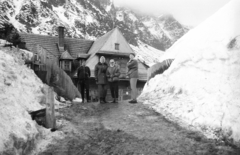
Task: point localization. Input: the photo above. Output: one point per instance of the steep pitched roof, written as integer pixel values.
(110, 45)
(74, 46)
(66, 55)
(98, 44)
(105, 45)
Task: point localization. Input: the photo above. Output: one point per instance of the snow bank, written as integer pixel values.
(20, 92)
(202, 87)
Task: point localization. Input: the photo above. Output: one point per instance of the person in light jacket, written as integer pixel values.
(133, 75)
(101, 79)
(113, 74)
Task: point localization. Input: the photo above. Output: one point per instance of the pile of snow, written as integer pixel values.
(201, 89)
(3, 42)
(147, 54)
(62, 103)
(21, 91)
(77, 100)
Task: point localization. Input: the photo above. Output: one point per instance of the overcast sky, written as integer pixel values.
(188, 12)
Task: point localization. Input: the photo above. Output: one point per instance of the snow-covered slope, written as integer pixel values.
(202, 86)
(20, 92)
(147, 54)
(90, 19)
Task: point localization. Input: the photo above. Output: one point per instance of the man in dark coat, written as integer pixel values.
(83, 75)
(101, 79)
(113, 74)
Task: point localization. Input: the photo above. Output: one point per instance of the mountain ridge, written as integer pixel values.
(90, 19)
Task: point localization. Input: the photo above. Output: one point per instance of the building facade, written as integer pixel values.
(68, 52)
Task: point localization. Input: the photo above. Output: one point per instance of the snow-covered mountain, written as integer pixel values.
(201, 88)
(90, 19)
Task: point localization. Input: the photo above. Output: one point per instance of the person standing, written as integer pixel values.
(132, 73)
(83, 75)
(113, 74)
(101, 79)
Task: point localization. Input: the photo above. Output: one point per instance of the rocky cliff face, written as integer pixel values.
(90, 19)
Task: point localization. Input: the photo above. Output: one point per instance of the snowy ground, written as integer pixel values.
(201, 89)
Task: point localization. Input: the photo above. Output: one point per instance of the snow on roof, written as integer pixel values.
(147, 54)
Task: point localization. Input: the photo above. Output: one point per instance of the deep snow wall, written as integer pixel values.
(201, 89)
(21, 91)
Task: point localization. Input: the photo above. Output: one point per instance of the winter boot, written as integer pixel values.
(134, 101)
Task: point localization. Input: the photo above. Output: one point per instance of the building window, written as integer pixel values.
(67, 65)
(116, 46)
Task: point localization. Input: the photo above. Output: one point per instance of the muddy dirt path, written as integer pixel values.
(125, 129)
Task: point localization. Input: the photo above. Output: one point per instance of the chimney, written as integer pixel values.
(61, 36)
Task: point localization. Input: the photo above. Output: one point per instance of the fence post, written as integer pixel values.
(50, 114)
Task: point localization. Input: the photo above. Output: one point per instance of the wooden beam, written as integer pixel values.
(50, 111)
(122, 54)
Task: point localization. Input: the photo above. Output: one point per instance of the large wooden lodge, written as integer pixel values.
(69, 52)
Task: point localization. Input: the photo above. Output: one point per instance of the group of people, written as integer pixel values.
(108, 74)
